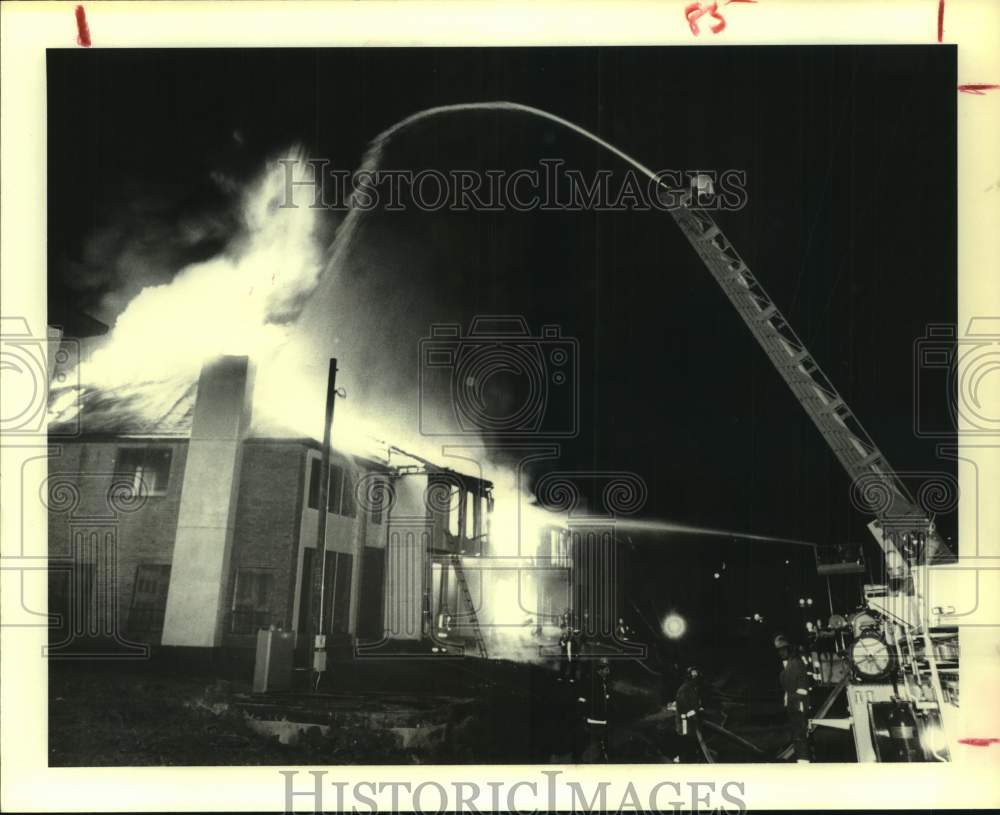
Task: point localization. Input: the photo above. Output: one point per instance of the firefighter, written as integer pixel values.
(595, 701)
(569, 648)
(795, 683)
(688, 713)
(624, 631)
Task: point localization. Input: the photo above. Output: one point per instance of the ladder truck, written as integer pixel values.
(903, 684)
(901, 659)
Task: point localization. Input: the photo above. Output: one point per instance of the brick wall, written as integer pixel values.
(81, 474)
(268, 511)
(273, 522)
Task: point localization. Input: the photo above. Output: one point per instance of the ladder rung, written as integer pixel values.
(834, 406)
(456, 561)
(870, 459)
(767, 313)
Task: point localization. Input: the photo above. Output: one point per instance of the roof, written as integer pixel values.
(147, 410)
(72, 322)
(163, 408)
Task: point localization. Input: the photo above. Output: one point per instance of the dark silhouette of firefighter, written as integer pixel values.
(689, 710)
(594, 703)
(795, 683)
(570, 643)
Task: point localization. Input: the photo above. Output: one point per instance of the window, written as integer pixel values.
(336, 591)
(454, 506)
(336, 488)
(557, 549)
(348, 500)
(340, 499)
(314, 484)
(470, 527)
(378, 497)
(149, 598)
(252, 600)
(340, 601)
(147, 468)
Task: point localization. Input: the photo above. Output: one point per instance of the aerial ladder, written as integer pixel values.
(919, 661)
(902, 688)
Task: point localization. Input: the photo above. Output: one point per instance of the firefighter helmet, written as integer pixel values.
(781, 641)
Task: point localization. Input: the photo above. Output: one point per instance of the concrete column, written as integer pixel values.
(200, 569)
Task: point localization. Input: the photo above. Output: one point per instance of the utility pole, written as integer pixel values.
(319, 560)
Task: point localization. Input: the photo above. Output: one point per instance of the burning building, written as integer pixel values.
(172, 525)
(208, 514)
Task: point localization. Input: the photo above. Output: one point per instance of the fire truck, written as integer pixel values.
(896, 656)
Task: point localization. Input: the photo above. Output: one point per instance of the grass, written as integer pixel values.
(110, 717)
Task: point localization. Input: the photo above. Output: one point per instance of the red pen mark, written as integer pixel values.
(940, 20)
(694, 11)
(82, 29)
(979, 742)
(977, 89)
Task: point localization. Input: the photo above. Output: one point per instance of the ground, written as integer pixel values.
(114, 717)
(458, 711)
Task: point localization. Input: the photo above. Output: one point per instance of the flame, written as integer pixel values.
(246, 301)
(239, 302)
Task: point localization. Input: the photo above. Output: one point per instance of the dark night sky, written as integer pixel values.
(850, 225)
